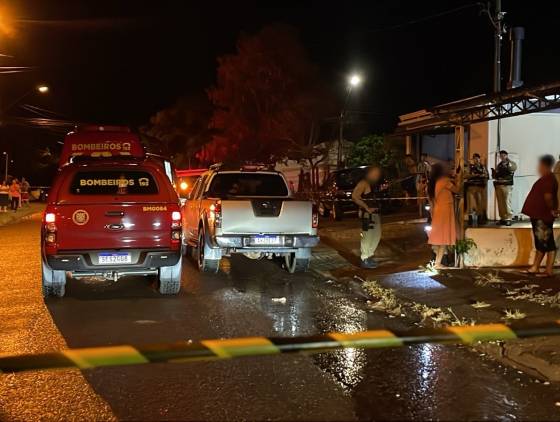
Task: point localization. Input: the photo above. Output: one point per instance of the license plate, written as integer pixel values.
(266, 240)
(113, 258)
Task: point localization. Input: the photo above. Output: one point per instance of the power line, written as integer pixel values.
(427, 18)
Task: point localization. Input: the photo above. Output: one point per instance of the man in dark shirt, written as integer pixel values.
(503, 185)
(476, 179)
(541, 206)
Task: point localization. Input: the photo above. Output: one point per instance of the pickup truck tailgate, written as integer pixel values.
(266, 216)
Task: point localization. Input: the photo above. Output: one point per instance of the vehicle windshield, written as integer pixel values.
(347, 179)
(225, 185)
(113, 182)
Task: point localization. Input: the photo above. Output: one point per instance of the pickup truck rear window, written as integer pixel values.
(113, 182)
(225, 185)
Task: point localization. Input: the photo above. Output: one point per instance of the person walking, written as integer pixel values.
(541, 206)
(440, 191)
(503, 184)
(4, 196)
(24, 192)
(15, 194)
(370, 235)
(475, 185)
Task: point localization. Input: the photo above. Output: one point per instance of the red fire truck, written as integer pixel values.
(111, 212)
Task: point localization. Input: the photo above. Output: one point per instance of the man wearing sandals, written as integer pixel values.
(541, 206)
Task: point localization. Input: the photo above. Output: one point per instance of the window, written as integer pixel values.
(113, 182)
(226, 185)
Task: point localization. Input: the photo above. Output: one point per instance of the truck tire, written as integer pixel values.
(296, 265)
(205, 265)
(170, 279)
(53, 282)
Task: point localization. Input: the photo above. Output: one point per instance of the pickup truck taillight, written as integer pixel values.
(216, 214)
(315, 218)
(50, 228)
(176, 231)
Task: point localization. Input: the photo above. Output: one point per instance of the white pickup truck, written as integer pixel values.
(247, 212)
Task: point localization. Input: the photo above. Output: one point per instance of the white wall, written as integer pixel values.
(525, 138)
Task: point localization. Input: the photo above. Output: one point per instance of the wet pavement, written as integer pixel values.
(418, 382)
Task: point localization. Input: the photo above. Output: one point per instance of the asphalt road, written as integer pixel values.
(420, 382)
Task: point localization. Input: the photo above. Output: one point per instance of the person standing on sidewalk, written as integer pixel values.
(503, 184)
(24, 192)
(362, 195)
(541, 206)
(4, 196)
(441, 190)
(475, 185)
(15, 194)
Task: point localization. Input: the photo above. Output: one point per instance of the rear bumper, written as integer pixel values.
(87, 261)
(289, 242)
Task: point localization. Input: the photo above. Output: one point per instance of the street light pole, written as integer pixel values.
(353, 81)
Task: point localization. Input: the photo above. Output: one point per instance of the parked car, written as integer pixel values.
(185, 180)
(251, 212)
(109, 216)
(335, 195)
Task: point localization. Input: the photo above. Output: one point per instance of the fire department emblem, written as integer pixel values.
(80, 217)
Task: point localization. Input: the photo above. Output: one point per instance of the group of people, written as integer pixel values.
(14, 195)
(541, 205)
(441, 184)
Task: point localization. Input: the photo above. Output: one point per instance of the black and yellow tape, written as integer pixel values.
(94, 357)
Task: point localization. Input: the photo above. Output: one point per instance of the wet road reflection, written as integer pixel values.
(246, 298)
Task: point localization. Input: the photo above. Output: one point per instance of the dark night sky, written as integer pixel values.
(125, 60)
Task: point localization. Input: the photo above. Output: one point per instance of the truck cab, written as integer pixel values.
(111, 212)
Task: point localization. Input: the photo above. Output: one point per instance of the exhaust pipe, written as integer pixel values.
(516, 36)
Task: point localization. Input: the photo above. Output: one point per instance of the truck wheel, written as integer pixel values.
(53, 281)
(296, 265)
(170, 279)
(205, 265)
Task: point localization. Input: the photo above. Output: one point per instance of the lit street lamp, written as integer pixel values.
(41, 89)
(353, 82)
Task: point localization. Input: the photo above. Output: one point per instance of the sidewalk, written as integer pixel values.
(453, 297)
(24, 212)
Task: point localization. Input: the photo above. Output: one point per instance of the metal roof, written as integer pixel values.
(481, 108)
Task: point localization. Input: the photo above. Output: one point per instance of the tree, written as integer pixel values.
(266, 98)
(180, 130)
(371, 149)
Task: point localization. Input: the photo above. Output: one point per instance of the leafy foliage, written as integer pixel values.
(266, 98)
(371, 149)
(463, 246)
(180, 130)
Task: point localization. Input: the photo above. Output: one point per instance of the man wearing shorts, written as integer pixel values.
(541, 206)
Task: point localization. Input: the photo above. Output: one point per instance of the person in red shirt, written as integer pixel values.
(541, 206)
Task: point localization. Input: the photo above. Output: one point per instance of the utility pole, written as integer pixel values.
(497, 20)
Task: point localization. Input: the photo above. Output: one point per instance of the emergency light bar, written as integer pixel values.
(101, 142)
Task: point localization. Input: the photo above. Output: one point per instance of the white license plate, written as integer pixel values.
(266, 240)
(113, 258)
